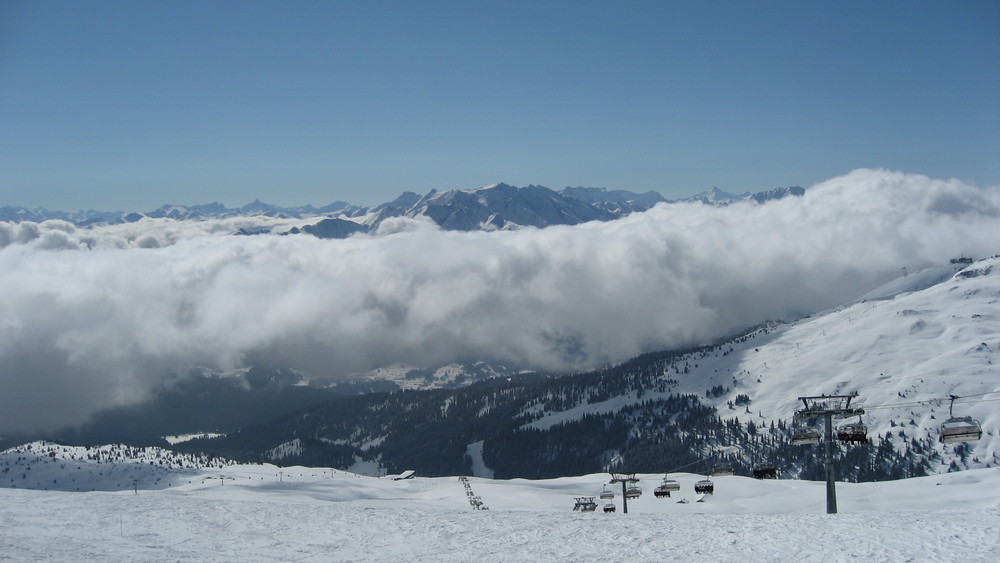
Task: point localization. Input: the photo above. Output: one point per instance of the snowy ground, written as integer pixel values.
(266, 513)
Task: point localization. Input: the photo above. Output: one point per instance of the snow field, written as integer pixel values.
(266, 513)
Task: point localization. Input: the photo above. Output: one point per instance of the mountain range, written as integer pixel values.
(495, 207)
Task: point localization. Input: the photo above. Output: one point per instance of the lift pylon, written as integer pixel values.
(826, 407)
(628, 481)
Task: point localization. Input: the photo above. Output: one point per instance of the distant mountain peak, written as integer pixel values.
(716, 196)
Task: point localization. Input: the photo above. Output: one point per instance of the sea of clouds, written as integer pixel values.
(91, 318)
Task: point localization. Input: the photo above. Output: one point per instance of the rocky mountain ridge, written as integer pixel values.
(495, 207)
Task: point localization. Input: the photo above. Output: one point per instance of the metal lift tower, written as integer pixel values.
(625, 479)
(827, 407)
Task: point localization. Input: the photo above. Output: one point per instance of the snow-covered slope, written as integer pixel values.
(49, 466)
(903, 348)
(266, 513)
(898, 354)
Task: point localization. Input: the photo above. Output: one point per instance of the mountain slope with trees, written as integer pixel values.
(730, 402)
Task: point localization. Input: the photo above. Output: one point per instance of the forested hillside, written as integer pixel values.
(634, 420)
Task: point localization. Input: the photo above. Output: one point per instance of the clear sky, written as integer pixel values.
(133, 104)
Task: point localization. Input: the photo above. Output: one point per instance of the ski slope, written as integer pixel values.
(268, 513)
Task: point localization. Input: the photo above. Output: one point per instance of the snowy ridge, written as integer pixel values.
(451, 375)
(489, 208)
(49, 466)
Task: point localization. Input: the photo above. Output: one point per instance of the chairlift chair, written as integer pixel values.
(606, 494)
(722, 469)
(661, 492)
(765, 471)
(671, 484)
(959, 428)
(610, 507)
(856, 433)
(705, 486)
(633, 491)
(805, 436)
(803, 430)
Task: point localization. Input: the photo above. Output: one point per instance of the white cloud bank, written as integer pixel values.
(91, 318)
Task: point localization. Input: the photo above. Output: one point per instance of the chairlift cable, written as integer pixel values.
(676, 469)
(979, 401)
(935, 401)
(977, 394)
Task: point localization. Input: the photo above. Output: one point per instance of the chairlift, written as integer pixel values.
(959, 428)
(800, 419)
(661, 492)
(705, 486)
(633, 491)
(855, 433)
(606, 494)
(610, 507)
(765, 471)
(670, 484)
(805, 436)
(803, 430)
(585, 504)
(723, 469)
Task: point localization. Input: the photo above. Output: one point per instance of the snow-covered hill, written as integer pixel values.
(904, 348)
(267, 513)
(48, 466)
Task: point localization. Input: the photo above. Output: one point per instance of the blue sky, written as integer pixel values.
(129, 105)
